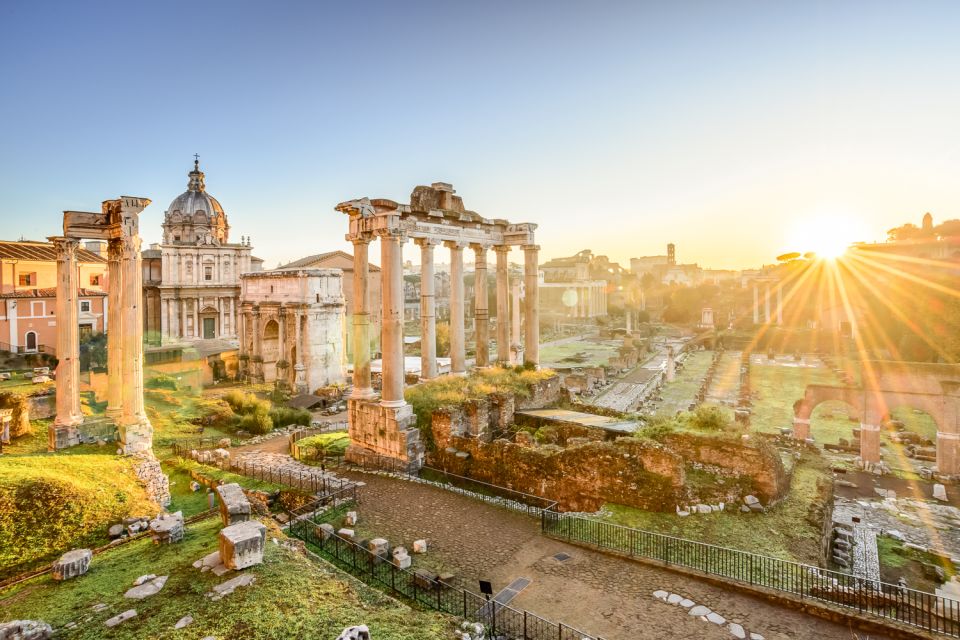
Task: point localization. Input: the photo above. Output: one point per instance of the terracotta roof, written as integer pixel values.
(49, 292)
(310, 261)
(41, 252)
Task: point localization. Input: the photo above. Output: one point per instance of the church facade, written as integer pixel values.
(192, 277)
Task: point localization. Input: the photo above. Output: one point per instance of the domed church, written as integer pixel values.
(192, 278)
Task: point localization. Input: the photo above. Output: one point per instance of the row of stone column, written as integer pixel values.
(174, 313)
(124, 344)
(251, 339)
(766, 304)
(391, 246)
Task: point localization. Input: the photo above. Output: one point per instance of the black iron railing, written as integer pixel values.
(927, 611)
(499, 619)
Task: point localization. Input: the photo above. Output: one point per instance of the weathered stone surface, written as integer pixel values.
(401, 558)
(121, 617)
(661, 595)
(699, 610)
(378, 547)
(234, 505)
(360, 632)
(148, 471)
(716, 618)
(147, 578)
(185, 621)
(750, 500)
(346, 533)
(326, 530)
(940, 492)
(737, 631)
(419, 546)
(686, 603)
(167, 528)
(71, 564)
(231, 585)
(350, 520)
(25, 630)
(115, 531)
(241, 544)
(674, 598)
(146, 589)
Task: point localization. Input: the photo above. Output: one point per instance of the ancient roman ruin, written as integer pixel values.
(434, 215)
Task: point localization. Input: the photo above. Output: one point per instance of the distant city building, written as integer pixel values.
(28, 294)
(192, 277)
(665, 269)
(570, 286)
(928, 242)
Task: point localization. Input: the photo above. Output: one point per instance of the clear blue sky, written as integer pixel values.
(720, 126)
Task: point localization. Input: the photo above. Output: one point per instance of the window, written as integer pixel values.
(28, 279)
(176, 238)
(95, 279)
(208, 273)
(84, 306)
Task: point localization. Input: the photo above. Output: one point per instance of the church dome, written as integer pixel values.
(195, 216)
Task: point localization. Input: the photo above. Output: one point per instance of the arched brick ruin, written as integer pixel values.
(933, 388)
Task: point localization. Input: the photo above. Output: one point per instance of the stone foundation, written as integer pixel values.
(383, 431)
(241, 544)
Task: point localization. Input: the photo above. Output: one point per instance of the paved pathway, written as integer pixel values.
(866, 560)
(598, 593)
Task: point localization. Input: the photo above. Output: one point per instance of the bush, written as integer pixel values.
(283, 416)
(20, 418)
(708, 419)
(246, 403)
(657, 428)
(256, 422)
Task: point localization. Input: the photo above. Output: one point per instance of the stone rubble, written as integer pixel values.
(185, 621)
(167, 528)
(121, 617)
(25, 630)
(234, 505)
(359, 632)
(151, 586)
(706, 614)
(231, 585)
(71, 564)
(242, 544)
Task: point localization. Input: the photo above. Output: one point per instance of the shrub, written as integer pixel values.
(283, 416)
(20, 418)
(708, 419)
(256, 422)
(246, 403)
(161, 382)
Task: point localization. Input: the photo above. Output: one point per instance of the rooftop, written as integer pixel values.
(40, 252)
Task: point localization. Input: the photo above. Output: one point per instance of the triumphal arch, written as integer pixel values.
(928, 387)
(118, 224)
(434, 216)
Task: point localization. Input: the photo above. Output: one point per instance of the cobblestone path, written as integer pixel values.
(597, 593)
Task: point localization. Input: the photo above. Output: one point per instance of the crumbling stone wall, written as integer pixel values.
(543, 393)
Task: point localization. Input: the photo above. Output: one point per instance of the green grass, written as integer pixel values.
(186, 466)
(50, 503)
(293, 597)
(682, 390)
(580, 353)
(775, 388)
(181, 497)
(332, 443)
(790, 530)
(896, 560)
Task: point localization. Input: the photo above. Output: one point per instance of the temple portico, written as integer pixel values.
(434, 216)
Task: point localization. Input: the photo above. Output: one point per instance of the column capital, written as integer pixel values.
(480, 247)
(425, 243)
(115, 249)
(66, 247)
(386, 235)
(361, 238)
(455, 245)
(530, 247)
(502, 248)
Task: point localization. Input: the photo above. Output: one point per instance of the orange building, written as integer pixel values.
(28, 294)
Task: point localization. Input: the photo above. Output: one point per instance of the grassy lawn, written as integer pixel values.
(183, 466)
(332, 443)
(678, 394)
(293, 597)
(789, 530)
(579, 353)
(776, 387)
(898, 561)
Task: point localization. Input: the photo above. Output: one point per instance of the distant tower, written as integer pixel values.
(671, 254)
(928, 222)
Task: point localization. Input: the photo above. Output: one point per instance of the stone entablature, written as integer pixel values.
(434, 216)
(294, 317)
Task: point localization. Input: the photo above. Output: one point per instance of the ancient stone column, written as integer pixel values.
(300, 377)
(164, 320)
(948, 453)
(515, 355)
(257, 358)
(282, 337)
(64, 429)
(779, 304)
(766, 305)
(136, 432)
(428, 311)
(362, 387)
(196, 318)
(503, 303)
(391, 256)
(869, 442)
(671, 365)
(629, 315)
(801, 428)
(481, 312)
(531, 306)
(756, 304)
(458, 349)
(115, 332)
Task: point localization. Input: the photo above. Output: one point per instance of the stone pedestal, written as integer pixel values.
(71, 564)
(376, 430)
(801, 428)
(242, 544)
(234, 505)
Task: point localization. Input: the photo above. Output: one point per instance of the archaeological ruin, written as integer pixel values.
(434, 215)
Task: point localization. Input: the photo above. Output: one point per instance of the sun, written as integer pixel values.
(827, 236)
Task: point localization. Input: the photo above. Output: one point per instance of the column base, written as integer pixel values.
(363, 394)
(378, 431)
(136, 437)
(801, 428)
(114, 413)
(62, 436)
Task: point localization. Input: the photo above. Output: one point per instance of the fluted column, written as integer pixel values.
(480, 311)
(115, 333)
(531, 306)
(197, 333)
(299, 371)
(428, 310)
(362, 388)
(458, 347)
(391, 286)
(766, 305)
(136, 433)
(756, 303)
(779, 304)
(515, 322)
(68, 344)
(257, 359)
(503, 303)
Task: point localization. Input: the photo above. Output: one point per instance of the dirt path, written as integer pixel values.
(597, 593)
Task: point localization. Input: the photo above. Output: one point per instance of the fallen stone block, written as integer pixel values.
(167, 528)
(347, 533)
(115, 531)
(940, 492)
(350, 520)
(378, 547)
(401, 558)
(326, 530)
(121, 617)
(71, 564)
(360, 632)
(231, 585)
(241, 544)
(185, 621)
(234, 505)
(419, 546)
(25, 630)
(146, 589)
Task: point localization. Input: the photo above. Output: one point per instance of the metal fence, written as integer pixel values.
(920, 609)
(377, 571)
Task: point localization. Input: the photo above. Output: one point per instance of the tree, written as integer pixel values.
(904, 232)
(443, 339)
